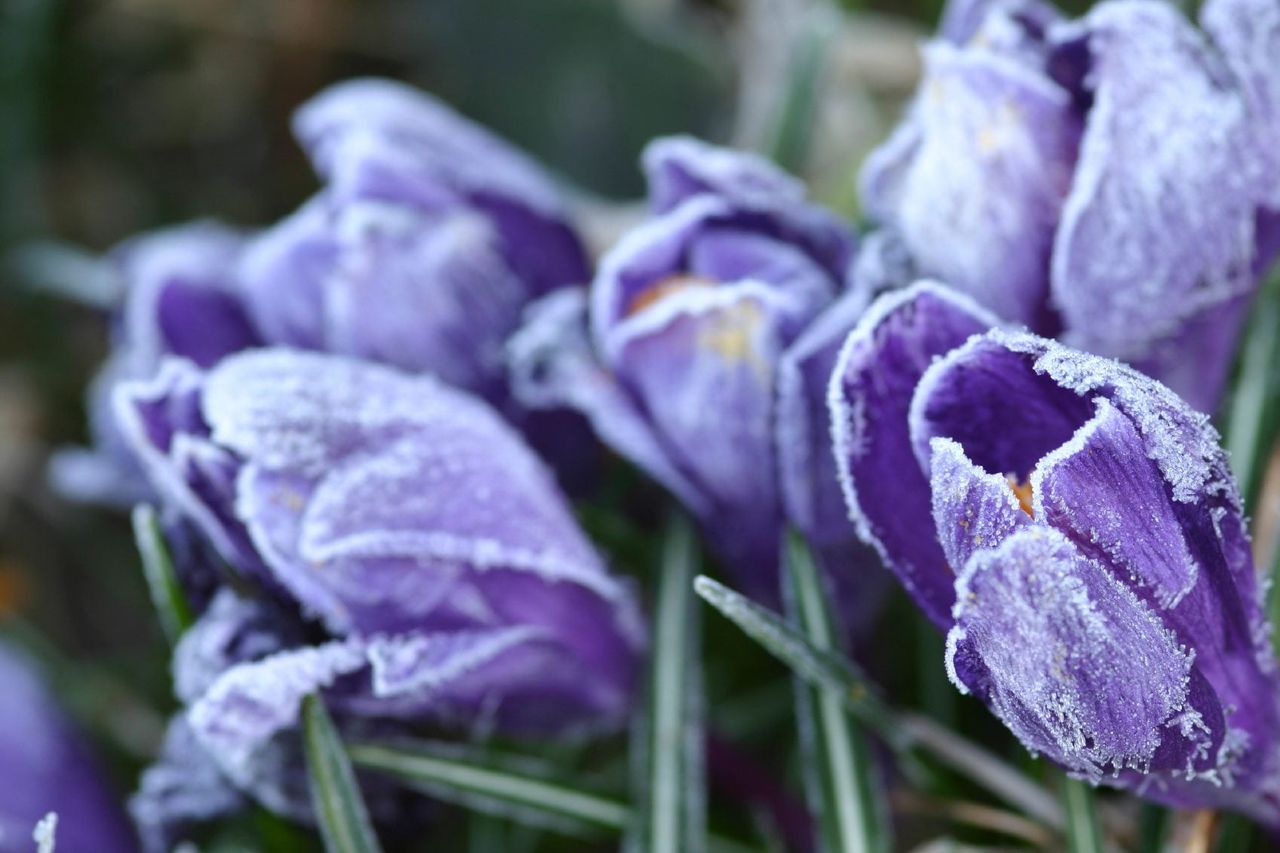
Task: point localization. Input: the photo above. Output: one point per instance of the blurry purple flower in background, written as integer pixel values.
(44, 768)
(431, 567)
(1106, 180)
(422, 249)
(180, 298)
(428, 240)
(711, 331)
(1074, 526)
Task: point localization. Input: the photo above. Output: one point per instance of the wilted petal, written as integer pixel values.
(885, 489)
(1069, 658)
(1159, 224)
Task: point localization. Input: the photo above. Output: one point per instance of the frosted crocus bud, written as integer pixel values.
(1104, 180)
(432, 568)
(179, 299)
(47, 769)
(706, 326)
(1074, 527)
(426, 242)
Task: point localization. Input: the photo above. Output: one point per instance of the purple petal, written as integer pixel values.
(377, 139)
(1069, 658)
(976, 181)
(1158, 227)
(1247, 33)
(552, 366)
(44, 767)
(681, 167)
(885, 489)
(973, 509)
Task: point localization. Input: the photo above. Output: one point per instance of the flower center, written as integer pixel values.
(662, 288)
(1024, 493)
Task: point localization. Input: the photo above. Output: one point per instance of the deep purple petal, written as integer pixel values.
(972, 508)
(885, 488)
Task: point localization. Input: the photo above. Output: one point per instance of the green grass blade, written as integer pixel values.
(1253, 411)
(843, 789)
(1083, 834)
(340, 810)
(792, 131)
(670, 789)
(491, 784)
(157, 566)
(900, 729)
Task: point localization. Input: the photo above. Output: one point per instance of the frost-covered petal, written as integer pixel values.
(435, 297)
(382, 140)
(285, 275)
(553, 366)
(885, 489)
(976, 183)
(183, 788)
(1247, 32)
(680, 167)
(972, 508)
(1158, 227)
(1068, 657)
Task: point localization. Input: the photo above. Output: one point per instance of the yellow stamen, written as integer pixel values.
(1024, 493)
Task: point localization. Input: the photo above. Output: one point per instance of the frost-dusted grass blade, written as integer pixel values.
(902, 730)
(340, 810)
(840, 777)
(491, 784)
(1255, 400)
(1083, 834)
(792, 131)
(670, 791)
(157, 565)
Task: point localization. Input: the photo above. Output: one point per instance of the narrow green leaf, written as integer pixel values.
(902, 730)
(793, 128)
(843, 790)
(1254, 401)
(340, 810)
(670, 790)
(157, 566)
(1083, 834)
(492, 784)
(1152, 821)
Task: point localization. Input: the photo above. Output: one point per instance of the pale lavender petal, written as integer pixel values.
(1158, 227)
(680, 167)
(972, 508)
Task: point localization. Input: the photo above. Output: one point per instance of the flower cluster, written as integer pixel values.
(332, 413)
(1075, 529)
(1112, 180)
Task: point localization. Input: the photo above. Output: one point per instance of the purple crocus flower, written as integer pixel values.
(422, 249)
(1106, 180)
(1074, 528)
(431, 568)
(180, 299)
(711, 331)
(45, 768)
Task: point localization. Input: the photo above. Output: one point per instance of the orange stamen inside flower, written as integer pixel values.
(1024, 494)
(662, 288)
